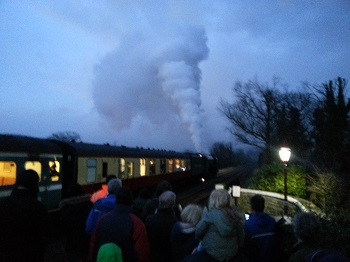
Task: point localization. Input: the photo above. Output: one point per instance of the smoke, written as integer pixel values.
(155, 75)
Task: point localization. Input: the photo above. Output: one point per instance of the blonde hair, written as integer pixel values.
(219, 198)
(192, 214)
(222, 200)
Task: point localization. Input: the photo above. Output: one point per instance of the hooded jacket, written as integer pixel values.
(220, 236)
(101, 207)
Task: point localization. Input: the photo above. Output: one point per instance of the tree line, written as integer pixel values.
(313, 122)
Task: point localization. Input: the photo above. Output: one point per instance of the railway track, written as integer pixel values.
(226, 177)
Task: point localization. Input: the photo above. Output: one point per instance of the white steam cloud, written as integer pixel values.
(157, 78)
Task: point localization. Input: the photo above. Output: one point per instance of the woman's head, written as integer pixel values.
(191, 214)
(219, 198)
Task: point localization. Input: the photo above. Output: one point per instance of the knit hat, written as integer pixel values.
(28, 179)
(109, 252)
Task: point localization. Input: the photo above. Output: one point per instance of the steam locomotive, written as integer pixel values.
(61, 164)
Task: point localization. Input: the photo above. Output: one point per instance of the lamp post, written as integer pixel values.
(285, 155)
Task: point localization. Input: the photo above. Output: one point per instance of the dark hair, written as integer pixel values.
(162, 187)
(124, 196)
(29, 180)
(257, 203)
(110, 177)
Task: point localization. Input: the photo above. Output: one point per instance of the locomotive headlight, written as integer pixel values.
(202, 179)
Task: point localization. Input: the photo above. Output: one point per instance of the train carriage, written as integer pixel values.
(137, 167)
(61, 164)
(19, 153)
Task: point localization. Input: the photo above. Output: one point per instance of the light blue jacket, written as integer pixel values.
(220, 236)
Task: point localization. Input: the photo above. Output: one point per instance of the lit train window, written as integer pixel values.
(54, 167)
(91, 170)
(152, 167)
(122, 168)
(171, 165)
(7, 173)
(130, 169)
(34, 165)
(142, 167)
(177, 164)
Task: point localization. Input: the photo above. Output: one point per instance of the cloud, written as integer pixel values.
(156, 75)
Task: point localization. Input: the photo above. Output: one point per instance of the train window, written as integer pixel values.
(91, 170)
(171, 165)
(142, 167)
(104, 169)
(34, 165)
(122, 174)
(152, 167)
(7, 173)
(162, 166)
(54, 167)
(177, 164)
(130, 169)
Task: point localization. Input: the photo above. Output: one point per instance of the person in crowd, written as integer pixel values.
(109, 252)
(24, 220)
(139, 202)
(260, 233)
(102, 206)
(103, 192)
(74, 212)
(220, 230)
(151, 205)
(159, 226)
(183, 240)
(307, 230)
(123, 228)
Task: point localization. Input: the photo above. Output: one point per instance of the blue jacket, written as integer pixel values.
(101, 207)
(260, 232)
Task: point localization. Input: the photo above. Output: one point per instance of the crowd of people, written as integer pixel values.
(110, 225)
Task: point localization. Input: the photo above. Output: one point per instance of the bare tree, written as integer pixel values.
(67, 136)
(253, 114)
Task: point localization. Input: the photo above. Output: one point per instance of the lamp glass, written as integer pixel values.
(285, 154)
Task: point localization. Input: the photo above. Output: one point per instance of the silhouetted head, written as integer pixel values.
(123, 196)
(167, 200)
(28, 179)
(257, 203)
(113, 185)
(110, 177)
(162, 187)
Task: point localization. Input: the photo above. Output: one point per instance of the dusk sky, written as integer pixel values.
(152, 73)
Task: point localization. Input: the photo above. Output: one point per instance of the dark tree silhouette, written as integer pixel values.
(67, 136)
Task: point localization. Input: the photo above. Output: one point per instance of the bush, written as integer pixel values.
(271, 178)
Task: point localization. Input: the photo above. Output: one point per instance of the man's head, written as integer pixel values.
(28, 179)
(257, 203)
(113, 185)
(123, 196)
(167, 200)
